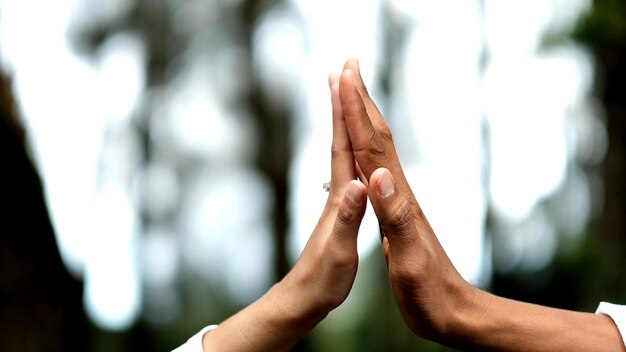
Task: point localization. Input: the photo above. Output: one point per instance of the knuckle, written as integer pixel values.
(376, 146)
(385, 131)
(400, 219)
(345, 216)
(372, 144)
(372, 150)
(336, 150)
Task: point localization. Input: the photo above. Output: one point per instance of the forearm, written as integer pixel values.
(499, 324)
(275, 322)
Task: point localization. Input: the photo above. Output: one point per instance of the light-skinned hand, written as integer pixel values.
(323, 275)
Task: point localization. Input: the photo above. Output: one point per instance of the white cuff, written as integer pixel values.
(194, 344)
(617, 313)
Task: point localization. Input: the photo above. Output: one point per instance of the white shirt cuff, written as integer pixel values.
(617, 313)
(194, 344)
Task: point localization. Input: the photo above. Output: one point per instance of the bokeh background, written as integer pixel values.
(179, 147)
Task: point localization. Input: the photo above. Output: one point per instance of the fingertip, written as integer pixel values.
(347, 76)
(356, 192)
(347, 87)
(333, 79)
(352, 63)
(350, 214)
(333, 83)
(382, 180)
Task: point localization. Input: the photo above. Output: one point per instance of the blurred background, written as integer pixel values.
(179, 148)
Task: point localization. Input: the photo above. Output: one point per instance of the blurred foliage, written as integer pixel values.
(604, 29)
(595, 269)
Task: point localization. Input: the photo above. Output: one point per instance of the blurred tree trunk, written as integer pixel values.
(40, 303)
(614, 220)
(604, 31)
(275, 153)
(165, 47)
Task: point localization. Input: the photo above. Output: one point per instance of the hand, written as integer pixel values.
(427, 287)
(435, 301)
(325, 271)
(323, 275)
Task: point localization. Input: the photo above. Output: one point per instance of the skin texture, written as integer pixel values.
(435, 301)
(323, 275)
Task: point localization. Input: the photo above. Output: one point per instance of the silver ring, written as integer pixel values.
(326, 186)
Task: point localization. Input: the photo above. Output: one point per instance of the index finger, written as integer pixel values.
(342, 159)
(378, 122)
(369, 134)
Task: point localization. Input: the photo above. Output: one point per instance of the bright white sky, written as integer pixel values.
(441, 101)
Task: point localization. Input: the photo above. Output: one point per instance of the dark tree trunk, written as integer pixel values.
(604, 31)
(40, 303)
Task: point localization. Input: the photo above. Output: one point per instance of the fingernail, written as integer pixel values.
(354, 192)
(386, 187)
(348, 72)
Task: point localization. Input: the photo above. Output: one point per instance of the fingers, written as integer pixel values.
(349, 215)
(369, 134)
(342, 159)
(368, 148)
(372, 110)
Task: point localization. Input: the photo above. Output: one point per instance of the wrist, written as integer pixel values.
(291, 310)
(487, 321)
(275, 322)
(467, 314)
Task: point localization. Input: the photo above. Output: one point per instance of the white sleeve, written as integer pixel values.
(194, 344)
(617, 313)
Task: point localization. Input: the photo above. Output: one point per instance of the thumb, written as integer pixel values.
(395, 213)
(349, 214)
